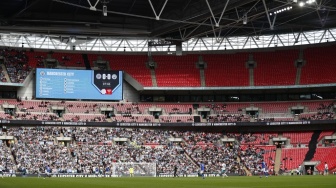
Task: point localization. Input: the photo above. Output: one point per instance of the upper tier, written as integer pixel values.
(272, 68)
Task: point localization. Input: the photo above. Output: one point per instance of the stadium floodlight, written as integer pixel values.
(311, 1)
(105, 10)
(73, 40)
(245, 19)
(302, 3)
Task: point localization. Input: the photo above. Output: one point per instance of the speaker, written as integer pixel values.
(179, 49)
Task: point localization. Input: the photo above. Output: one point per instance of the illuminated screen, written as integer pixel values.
(79, 84)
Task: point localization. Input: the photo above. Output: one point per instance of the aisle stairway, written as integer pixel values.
(4, 70)
(277, 161)
(312, 146)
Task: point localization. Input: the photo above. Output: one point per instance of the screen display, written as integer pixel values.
(79, 84)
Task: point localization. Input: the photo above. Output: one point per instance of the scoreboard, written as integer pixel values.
(79, 84)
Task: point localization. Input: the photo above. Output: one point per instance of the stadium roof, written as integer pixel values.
(173, 19)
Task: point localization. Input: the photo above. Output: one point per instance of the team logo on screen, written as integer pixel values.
(42, 73)
(106, 81)
(106, 91)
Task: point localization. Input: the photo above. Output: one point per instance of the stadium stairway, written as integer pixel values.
(298, 75)
(251, 73)
(277, 161)
(4, 70)
(247, 172)
(202, 78)
(153, 76)
(312, 146)
(86, 61)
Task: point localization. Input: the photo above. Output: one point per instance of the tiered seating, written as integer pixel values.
(293, 157)
(228, 118)
(255, 138)
(275, 68)
(36, 116)
(318, 106)
(275, 107)
(33, 106)
(9, 101)
(6, 158)
(77, 107)
(177, 71)
(317, 116)
(325, 155)
(4, 116)
(134, 65)
(176, 118)
(35, 59)
(269, 154)
(226, 108)
(325, 133)
(175, 108)
(133, 118)
(16, 63)
(254, 154)
(320, 67)
(69, 59)
(298, 137)
(84, 117)
(131, 108)
(226, 70)
(276, 119)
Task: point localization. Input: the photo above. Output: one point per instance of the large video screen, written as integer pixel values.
(79, 84)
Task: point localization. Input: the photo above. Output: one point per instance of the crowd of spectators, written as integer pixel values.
(36, 116)
(16, 63)
(252, 158)
(6, 159)
(319, 116)
(95, 149)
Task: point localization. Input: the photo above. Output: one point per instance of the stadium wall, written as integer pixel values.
(28, 90)
(130, 93)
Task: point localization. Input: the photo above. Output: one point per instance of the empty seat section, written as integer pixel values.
(275, 68)
(320, 67)
(134, 65)
(35, 59)
(325, 155)
(226, 70)
(298, 137)
(177, 71)
(69, 59)
(275, 107)
(325, 133)
(291, 158)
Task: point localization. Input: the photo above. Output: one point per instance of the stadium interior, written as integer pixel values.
(182, 107)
